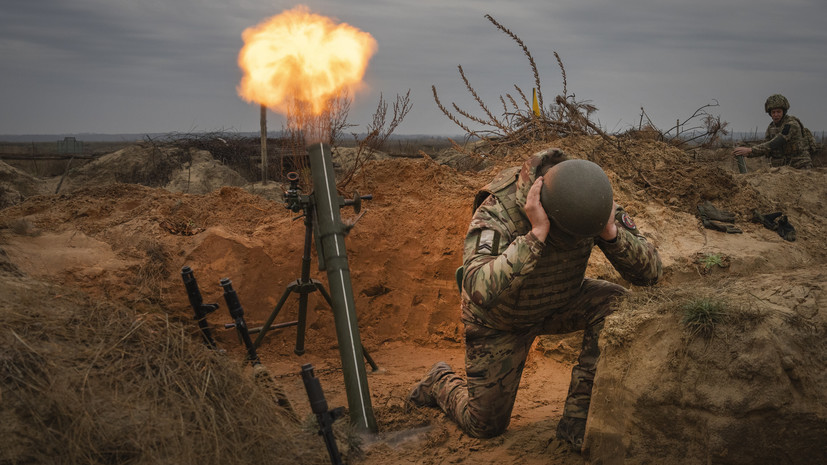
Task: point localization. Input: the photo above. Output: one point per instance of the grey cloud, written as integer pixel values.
(172, 63)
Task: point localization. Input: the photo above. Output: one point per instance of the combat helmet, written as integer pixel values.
(577, 197)
(776, 101)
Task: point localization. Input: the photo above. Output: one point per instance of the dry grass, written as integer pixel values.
(702, 314)
(700, 310)
(152, 272)
(96, 383)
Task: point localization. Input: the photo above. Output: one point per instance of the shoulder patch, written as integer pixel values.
(627, 221)
(488, 242)
(786, 129)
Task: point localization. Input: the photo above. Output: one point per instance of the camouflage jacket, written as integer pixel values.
(782, 140)
(512, 281)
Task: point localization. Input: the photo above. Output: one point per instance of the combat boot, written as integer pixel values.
(422, 395)
(571, 430)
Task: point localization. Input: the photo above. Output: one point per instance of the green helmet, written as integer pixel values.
(776, 101)
(577, 197)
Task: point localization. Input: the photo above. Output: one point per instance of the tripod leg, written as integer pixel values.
(302, 319)
(321, 289)
(369, 359)
(302, 323)
(268, 324)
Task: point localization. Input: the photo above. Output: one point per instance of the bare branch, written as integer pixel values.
(708, 130)
(513, 102)
(563, 73)
(449, 114)
(379, 130)
(527, 54)
(492, 119)
(473, 118)
(522, 96)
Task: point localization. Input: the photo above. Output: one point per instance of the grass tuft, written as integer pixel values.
(710, 260)
(701, 315)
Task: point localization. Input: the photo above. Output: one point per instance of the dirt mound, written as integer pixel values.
(15, 185)
(191, 171)
(126, 243)
(127, 240)
(347, 159)
(202, 175)
(743, 385)
(150, 166)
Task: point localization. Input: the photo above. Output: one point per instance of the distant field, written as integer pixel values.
(757, 135)
(51, 158)
(37, 146)
(46, 159)
(44, 148)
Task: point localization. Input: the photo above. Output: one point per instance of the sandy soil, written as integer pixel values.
(127, 243)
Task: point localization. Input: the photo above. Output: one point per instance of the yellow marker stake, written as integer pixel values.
(535, 106)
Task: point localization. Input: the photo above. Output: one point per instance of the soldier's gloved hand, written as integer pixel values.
(540, 223)
(609, 233)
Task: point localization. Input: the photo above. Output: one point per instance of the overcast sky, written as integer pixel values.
(145, 66)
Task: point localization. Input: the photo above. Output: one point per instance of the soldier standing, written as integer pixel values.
(784, 142)
(525, 258)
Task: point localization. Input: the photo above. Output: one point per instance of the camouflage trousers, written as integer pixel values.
(494, 360)
(801, 162)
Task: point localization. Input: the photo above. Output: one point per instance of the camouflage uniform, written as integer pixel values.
(515, 288)
(785, 144)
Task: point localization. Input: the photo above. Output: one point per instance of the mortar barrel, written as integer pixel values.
(331, 235)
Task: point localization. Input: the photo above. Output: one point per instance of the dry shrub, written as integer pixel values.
(97, 383)
(521, 121)
(378, 132)
(700, 129)
(152, 272)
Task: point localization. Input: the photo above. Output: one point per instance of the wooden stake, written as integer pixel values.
(263, 144)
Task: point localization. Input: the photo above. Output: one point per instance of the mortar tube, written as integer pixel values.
(742, 164)
(331, 235)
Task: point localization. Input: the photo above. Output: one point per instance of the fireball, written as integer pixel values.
(298, 57)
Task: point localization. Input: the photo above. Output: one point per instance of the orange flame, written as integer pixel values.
(299, 56)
